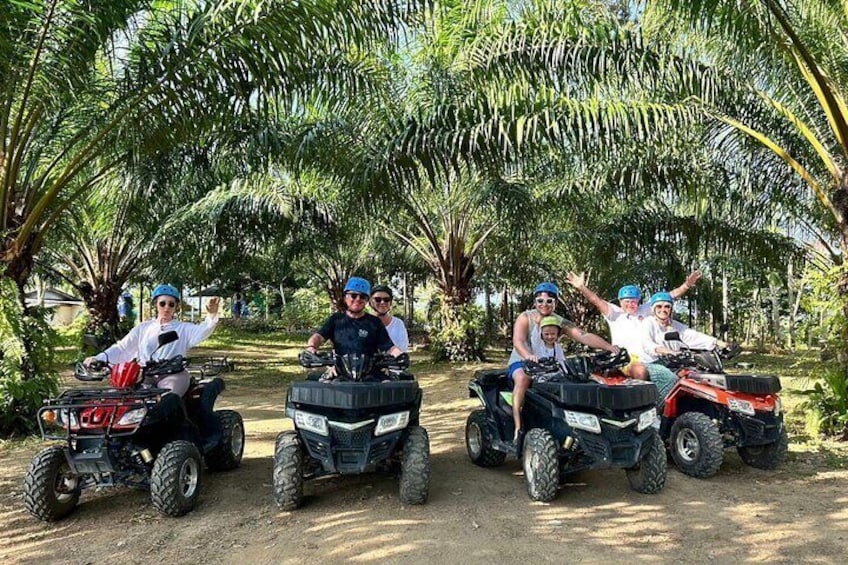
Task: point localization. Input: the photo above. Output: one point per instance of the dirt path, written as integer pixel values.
(474, 515)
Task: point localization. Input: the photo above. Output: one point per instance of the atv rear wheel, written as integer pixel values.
(288, 471)
(541, 465)
(478, 441)
(696, 445)
(227, 455)
(648, 476)
(768, 456)
(51, 491)
(415, 467)
(175, 479)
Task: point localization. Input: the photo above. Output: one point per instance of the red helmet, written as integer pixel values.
(125, 375)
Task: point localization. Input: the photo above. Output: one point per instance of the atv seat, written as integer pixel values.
(493, 377)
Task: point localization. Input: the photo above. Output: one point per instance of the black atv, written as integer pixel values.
(582, 414)
(363, 418)
(131, 435)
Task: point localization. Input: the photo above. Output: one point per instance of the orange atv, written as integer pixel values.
(708, 411)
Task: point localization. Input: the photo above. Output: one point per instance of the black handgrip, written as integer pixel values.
(312, 360)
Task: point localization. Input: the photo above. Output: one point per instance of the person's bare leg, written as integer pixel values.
(522, 383)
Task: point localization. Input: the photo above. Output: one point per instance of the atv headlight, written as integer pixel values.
(133, 417)
(311, 422)
(391, 422)
(582, 421)
(646, 419)
(742, 406)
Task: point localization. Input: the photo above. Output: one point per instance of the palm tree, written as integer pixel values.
(773, 73)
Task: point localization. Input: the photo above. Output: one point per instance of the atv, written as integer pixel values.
(708, 411)
(131, 435)
(365, 417)
(582, 414)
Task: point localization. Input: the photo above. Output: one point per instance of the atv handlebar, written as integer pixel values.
(312, 360)
(606, 360)
(96, 371)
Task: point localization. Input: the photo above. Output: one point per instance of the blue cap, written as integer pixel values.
(548, 287)
(357, 284)
(661, 297)
(629, 291)
(166, 290)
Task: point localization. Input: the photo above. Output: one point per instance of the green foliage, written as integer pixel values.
(821, 296)
(26, 359)
(826, 406)
(458, 333)
(305, 311)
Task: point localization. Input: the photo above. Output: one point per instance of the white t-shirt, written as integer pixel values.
(626, 329)
(653, 336)
(542, 350)
(397, 331)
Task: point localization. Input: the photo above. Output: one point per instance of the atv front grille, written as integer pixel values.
(351, 438)
(615, 447)
(763, 428)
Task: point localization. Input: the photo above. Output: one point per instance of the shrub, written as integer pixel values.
(26, 361)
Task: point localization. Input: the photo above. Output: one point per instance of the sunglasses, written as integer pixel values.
(169, 304)
(357, 296)
(381, 300)
(662, 307)
(541, 300)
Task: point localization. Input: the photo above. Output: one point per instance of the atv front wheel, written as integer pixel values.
(696, 445)
(541, 465)
(175, 479)
(648, 476)
(768, 456)
(227, 455)
(478, 441)
(51, 491)
(288, 471)
(415, 467)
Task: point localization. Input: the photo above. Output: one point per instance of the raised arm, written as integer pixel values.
(578, 281)
(690, 281)
(590, 339)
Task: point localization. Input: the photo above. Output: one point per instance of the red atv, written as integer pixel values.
(132, 435)
(708, 411)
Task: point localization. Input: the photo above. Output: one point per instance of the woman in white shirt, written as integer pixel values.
(142, 341)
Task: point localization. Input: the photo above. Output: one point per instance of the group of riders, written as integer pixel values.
(638, 327)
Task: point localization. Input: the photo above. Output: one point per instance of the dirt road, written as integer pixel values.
(474, 515)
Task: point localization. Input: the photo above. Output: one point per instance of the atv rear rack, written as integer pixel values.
(72, 402)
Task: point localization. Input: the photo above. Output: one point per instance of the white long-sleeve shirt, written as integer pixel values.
(653, 336)
(141, 342)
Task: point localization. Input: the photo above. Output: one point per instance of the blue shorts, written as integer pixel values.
(513, 367)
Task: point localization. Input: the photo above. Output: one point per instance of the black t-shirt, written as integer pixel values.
(366, 334)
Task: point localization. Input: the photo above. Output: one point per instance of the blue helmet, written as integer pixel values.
(548, 287)
(661, 297)
(629, 291)
(357, 284)
(166, 290)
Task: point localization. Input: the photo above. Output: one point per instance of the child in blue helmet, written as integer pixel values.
(527, 340)
(654, 343)
(625, 320)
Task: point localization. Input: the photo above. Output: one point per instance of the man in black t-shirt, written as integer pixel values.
(354, 331)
